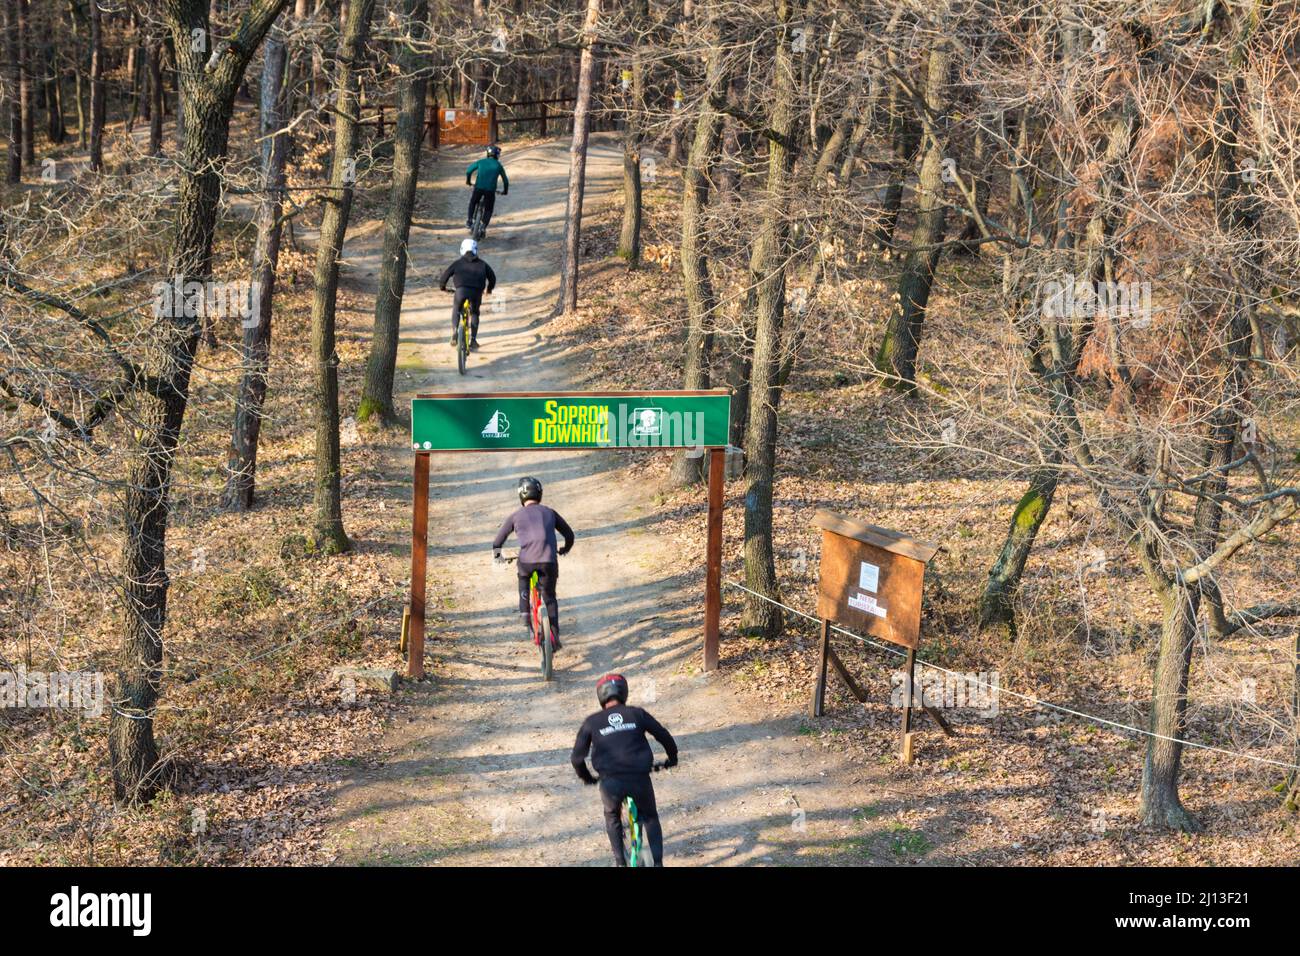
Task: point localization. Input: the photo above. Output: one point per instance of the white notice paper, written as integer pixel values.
(865, 602)
(869, 577)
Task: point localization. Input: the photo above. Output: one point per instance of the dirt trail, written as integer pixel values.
(477, 773)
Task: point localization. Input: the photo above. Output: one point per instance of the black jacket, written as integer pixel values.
(616, 739)
(469, 272)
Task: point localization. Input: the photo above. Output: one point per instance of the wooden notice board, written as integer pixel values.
(464, 127)
(871, 579)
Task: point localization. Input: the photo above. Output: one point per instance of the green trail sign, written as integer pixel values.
(537, 421)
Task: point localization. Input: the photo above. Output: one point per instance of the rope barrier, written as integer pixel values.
(1034, 701)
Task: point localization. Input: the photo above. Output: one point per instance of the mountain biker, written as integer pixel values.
(471, 276)
(534, 524)
(489, 168)
(615, 736)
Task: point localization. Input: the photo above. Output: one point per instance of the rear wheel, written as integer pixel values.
(548, 652)
(631, 834)
(462, 345)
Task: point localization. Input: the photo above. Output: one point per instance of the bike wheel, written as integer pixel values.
(548, 652)
(631, 834)
(462, 347)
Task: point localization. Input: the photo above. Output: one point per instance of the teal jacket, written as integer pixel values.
(488, 170)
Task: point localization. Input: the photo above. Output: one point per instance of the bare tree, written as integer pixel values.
(328, 535)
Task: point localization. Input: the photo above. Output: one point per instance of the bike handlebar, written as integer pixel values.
(512, 558)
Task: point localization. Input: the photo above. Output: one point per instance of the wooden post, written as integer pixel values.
(494, 133)
(419, 563)
(909, 690)
(542, 131)
(713, 573)
(433, 122)
(823, 655)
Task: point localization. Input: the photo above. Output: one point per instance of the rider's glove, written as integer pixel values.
(505, 192)
(670, 762)
(497, 559)
(563, 551)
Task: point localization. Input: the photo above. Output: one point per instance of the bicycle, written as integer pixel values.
(462, 337)
(540, 622)
(477, 228)
(635, 850)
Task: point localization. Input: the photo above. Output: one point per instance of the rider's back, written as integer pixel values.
(535, 526)
(617, 738)
(469, 272)
(489, 171)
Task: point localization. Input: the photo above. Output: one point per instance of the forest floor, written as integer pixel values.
(475, 771)
(274, 764)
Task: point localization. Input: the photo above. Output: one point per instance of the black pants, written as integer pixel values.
(639, 788)
(475, 299)
(546, 578)
(488, 197)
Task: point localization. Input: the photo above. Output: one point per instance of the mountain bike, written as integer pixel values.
(540, 622)
(477, 228)
(462, 337)
(636, 851)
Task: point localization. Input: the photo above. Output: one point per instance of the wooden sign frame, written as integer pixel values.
(871, 582)
(412, 637)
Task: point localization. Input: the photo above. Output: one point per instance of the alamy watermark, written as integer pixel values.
(1073, 297)
(57, 690)
(177, 299)
(948, 690)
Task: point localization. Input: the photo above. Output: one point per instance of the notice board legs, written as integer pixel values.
(419, 564)
(713, 572)
(909, 689)
(823, 656)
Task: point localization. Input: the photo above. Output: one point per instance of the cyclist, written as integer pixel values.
(535, 525)
(615, 736)
(471, 276)
(488, 168)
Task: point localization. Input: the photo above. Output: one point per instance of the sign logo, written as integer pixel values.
(647, 421)
(615, 720)
(498, 426)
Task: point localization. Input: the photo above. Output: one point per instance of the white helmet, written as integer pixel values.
(468, 245)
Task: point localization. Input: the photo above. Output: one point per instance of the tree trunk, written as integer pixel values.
(25, 84)
(169, 360)
(979, 162)
(78, 85)
(568, 301)
(97, 90)
(995, 606)
(156, 108)
(896, 357)
(255, 349)
(14, 143)
(328, 536)
(696, 282)
(1161, 805)
(905, 136)
(1233, 212)
(53, 100)
(629, 242)
(377, 392)
(767, 276)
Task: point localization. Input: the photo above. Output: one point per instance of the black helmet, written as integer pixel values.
(530, 489)
(494, 151)
(611, 686)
